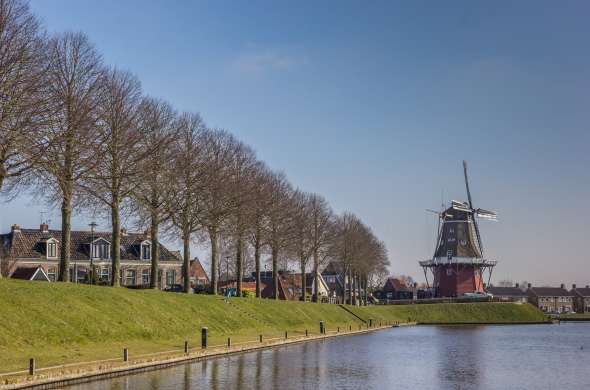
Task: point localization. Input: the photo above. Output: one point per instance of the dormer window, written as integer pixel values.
(51, 249)
(101, 249)
(146, 250)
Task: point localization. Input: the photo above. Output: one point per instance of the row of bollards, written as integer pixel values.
(205, 341)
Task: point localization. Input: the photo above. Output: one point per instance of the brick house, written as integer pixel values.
(581, 299)
(323, 289)
(31, 248)
(551, 299)
(394, 289)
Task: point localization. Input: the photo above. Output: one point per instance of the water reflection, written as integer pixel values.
(514, 357)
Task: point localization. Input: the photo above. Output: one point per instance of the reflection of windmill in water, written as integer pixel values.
(458, 264)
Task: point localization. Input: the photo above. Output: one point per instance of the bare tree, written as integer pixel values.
(243, 168)
(279, 224)
(302, 242)
(157, 122)
(261, 193)
(22, 105)
(322, 229)
(216, 200)
(115, 175)
(188, 183)
(73, 83)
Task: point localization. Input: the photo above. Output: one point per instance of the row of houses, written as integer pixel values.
(548, 299)
(34, 254)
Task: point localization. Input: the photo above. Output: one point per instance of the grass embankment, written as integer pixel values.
(63, 323)
(454, 313)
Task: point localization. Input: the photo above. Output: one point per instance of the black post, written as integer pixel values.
(204, 334)
(229, 342)
(338, 330)
(322, 328)
(370, 322)
(260, 338)
(32, 366)
(286, 335)
(125, 355)
(186, 347)
(306, 334)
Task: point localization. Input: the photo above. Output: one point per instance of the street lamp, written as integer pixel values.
(92, 225)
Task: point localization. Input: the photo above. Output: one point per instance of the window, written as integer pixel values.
(52, 250)
(145, 277)
(130, 277)
(450, 254)
(170, 278)
(101, 250)
(51, 273)
(105, 274)
(146, 251)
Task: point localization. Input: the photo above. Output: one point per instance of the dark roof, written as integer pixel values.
(585, 291)
(197, 270)
(26, 244)
(332, 269)
(508, 291)
(27, 273)
(550, 292)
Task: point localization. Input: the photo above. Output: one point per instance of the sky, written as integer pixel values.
(375, 104)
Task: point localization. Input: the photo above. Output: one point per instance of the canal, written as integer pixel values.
(420, 357)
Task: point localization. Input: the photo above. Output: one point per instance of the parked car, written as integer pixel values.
(175, 288)
(478, 294)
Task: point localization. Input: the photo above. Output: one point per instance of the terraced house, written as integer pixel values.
(551, 299)
(34, 248)
(581, 299)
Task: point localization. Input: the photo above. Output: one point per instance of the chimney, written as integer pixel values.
(529, 285)
(15, 228)
(516, 285)
(44, 228)
(123, 232)
(573, 286)
(562, 285)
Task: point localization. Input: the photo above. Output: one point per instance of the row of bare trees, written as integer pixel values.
(83, 134)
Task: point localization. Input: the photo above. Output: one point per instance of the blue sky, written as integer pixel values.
(375, 104)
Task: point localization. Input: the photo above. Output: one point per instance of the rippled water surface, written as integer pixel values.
(422, 357)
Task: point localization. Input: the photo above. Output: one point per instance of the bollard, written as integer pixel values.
(125, 355)
(322, 327)
(260, 338)
(306, 334)
(350, 328)
(338, 330)
(204, 336)
(370, 322)
(286, 334)
(186, 347)
(229, 342)
(360, 327)
(32, 366)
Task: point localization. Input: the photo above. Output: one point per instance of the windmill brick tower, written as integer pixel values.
(458, 264)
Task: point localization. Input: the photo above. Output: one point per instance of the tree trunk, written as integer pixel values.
(214, 259)
(66, 232)
(350, 285)
(316, 277)
(115, 244)
(303, 280)
(257, 264)
(239, 265)
(186, 240)
(275, 273)
(155, 249)
(344, 286)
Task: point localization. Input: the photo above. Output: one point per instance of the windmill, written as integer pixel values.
(458, 263)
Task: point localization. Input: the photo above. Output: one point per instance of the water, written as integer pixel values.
(422, 357)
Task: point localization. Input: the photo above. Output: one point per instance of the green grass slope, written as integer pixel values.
(62, 323)
(488, 313)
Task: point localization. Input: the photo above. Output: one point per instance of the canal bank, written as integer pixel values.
(61, 325)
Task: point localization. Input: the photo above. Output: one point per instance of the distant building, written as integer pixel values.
(394, 289)
(508, 294)
(581, 299)
(198, 275)
(34, 248)
(333, 276)
(286, 290)
(295, 280)
(551, 299)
